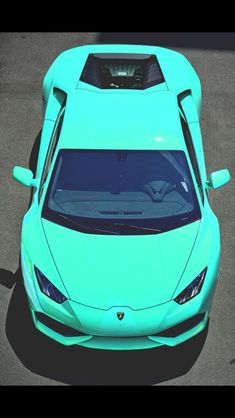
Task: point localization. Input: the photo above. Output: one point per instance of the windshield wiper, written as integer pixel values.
(123, 225)
(83, 226)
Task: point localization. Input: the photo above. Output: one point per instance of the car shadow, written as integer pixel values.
(7, 278)
(82, 366)
(200, 40)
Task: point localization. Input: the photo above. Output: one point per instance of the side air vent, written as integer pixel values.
(181, 96)
(60, 95)
(122, 71)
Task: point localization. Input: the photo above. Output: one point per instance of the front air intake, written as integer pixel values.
(182, 326)
(56, 326)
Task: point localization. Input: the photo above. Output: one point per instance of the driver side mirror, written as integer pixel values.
(24, 176)
(218, 178)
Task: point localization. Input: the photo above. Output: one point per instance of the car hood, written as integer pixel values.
(103, 271)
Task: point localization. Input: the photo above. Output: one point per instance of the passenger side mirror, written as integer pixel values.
(24, 176)
(218, 179)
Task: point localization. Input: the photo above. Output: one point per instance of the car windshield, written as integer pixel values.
(121, 192)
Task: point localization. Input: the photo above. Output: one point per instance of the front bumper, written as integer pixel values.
(101, 329)
(120, 343)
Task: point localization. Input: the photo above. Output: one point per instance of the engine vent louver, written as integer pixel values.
(122, 71)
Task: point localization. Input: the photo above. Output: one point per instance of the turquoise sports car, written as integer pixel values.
(120, 248)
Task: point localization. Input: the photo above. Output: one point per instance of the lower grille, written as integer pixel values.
(182, 327)
(57, 326)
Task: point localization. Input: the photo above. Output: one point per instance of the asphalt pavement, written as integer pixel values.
(26, 356)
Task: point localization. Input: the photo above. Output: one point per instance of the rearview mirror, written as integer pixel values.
(218, 179)
(24, 176)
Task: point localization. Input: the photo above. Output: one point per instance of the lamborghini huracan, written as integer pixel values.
(120, 248)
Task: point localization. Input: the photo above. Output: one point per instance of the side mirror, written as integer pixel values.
(218, 179)
(24, 176)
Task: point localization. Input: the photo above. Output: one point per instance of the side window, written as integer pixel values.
(51, 150)
(192, 154)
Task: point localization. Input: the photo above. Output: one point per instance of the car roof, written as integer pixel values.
(127, 120)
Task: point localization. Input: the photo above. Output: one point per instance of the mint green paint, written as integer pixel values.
(190, 109)
(219, 178)
(66, 70)
(142, 121)
(58, 337)
(24, 176)
(140, 325)
(104, 343)
(104, 274)
(34, 243)
(53, 107)
(182, 337)
(120, 271)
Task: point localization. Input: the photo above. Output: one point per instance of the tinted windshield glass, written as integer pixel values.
(121, 191)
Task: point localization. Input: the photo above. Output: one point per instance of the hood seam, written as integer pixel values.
(54, 259)
(187, 261)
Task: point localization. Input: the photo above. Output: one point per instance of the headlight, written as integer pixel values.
(192, 290)
(48, 288)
